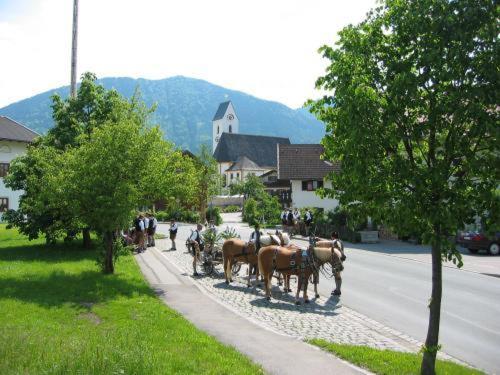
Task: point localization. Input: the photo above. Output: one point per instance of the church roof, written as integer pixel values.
(262, 150)
(11, 130)
(221, 110)
(243, 163)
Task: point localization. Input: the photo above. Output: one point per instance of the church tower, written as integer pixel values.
(224, 121)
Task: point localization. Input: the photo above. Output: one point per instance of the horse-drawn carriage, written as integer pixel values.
(211, 256)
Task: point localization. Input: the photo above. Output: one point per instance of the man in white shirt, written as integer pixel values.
(296, 220)
(196, 240)
(139, 233)
(173, 233)
(151, 229)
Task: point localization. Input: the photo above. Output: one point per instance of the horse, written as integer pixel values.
(236, 250)
(332, 243)
(302, 263)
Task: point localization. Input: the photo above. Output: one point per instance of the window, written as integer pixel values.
(238, 176)
(230, 129)
(217, 129)
(311, 185)
(231, 176)
(4, 204)
(4, 168)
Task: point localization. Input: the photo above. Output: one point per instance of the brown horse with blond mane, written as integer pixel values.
(302, 263)
(236, 250)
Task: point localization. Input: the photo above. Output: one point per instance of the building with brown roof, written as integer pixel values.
(303, 166)
(14, 139)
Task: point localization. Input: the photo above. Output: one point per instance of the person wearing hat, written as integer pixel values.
(255, 237)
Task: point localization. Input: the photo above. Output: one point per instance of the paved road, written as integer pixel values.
(391, 283)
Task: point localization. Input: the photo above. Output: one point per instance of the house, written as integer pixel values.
(277, 188)
(239, 155)
(14, 140)
(303, 166)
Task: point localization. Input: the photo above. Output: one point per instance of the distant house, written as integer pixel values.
(14, 139)
(277, 188)
(302, 165)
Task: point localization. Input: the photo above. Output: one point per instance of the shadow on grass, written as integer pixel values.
(59, 287)
(47, 253)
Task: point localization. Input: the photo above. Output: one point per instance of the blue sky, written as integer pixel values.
(265, 48)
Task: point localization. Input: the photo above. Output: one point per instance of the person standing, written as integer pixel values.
(255, 237)
(308, 218)
(283, 219)
(152, 222)
(139, 233)
(296, 220)
(289, 221)
(196, 240)
(173, 233)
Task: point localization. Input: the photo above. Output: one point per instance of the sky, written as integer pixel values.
(265, 48)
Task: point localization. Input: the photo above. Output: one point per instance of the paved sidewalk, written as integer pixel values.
(277, 354)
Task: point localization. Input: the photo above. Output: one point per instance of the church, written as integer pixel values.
(239, 155)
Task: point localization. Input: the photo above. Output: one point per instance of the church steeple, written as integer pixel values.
(225, 120)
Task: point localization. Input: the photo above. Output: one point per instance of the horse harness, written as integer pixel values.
(300, 261)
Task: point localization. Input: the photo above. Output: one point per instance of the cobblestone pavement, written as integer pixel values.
(322, 318)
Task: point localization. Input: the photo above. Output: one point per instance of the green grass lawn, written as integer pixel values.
(59, 314)
(388, 362)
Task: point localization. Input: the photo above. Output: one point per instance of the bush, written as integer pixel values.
(213, 213)
(264, 209)
(179, 214)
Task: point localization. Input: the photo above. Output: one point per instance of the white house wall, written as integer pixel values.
(9, 150)
(301, 199)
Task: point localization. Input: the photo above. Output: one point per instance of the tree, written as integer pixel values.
(207, 178)
(75, 120)
(413, 119)
(106, 178)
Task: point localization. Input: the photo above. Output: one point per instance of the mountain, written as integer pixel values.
(185, 108)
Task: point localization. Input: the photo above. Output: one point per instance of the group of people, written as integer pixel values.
(291, 221)
(143, 232)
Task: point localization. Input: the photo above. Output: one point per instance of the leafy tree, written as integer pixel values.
(251, 187)
(75, 120)
(207, 178)
(259, 205)
(106, 178)
(413, 119)
(38, 212)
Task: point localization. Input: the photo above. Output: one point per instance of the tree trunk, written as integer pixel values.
(431, 342)
(108, 259)
(87, 242)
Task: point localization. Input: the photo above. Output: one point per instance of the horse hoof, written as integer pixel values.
(268, 298)
(317, 295)
(307, 301)
(227, 282)
(297, 303)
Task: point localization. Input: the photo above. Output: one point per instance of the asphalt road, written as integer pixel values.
(394, 289)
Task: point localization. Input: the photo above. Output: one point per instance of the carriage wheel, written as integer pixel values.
(208, 267)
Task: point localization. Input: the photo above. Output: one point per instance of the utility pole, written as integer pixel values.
(74, 49)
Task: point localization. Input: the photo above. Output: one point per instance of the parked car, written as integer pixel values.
(475, 241)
